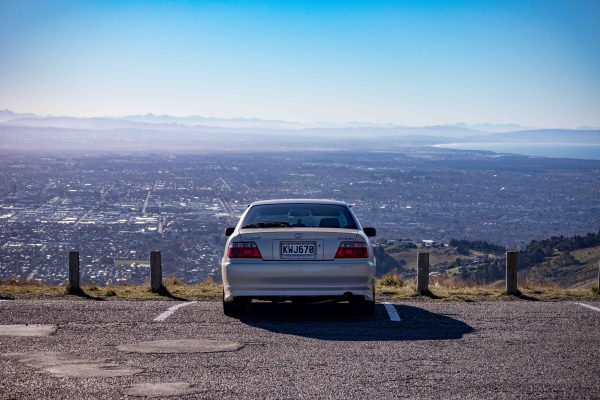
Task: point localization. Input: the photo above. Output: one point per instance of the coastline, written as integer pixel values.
(582, 151)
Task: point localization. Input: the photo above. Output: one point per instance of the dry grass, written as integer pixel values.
(389, 287)
(391, 279)
(172, 281)
(452, 289)
(207, 289)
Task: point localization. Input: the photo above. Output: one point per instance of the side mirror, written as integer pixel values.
(229, 231)
(370, 232)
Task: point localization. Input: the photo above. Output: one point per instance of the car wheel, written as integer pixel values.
(370, 308)
(234, 308)
(365, 307)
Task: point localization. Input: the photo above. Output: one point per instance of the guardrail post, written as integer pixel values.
(599, 276)
(73, 286)
(155, 272)
(423, 273)
(511, 272)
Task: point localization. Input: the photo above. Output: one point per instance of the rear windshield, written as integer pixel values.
(299, 215)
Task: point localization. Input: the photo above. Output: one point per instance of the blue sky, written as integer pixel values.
(536, 63)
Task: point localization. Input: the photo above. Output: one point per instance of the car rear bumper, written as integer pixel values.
(269, 279)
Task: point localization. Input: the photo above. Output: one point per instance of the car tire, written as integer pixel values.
(366, 307)
(234, 308)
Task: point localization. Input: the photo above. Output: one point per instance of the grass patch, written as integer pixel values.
(391, 279)
(206, 290)
(389, 287)
(172, 281)
(452, 289)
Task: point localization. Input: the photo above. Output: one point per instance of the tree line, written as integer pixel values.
(538, 250)
(463, 246)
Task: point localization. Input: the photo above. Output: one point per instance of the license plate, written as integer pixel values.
(298, 249)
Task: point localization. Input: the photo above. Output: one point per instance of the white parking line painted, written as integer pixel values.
(588, 306)
(171, 310)
(391, 310)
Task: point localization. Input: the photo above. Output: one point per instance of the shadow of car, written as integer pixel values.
(337, 321)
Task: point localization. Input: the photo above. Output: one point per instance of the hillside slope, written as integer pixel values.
(566, 262)
(577, 268)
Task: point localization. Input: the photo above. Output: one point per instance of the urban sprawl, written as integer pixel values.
(115, 209)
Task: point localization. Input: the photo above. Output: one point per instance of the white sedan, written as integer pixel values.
(298, 250)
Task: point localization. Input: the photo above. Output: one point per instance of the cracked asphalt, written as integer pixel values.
(491, 350)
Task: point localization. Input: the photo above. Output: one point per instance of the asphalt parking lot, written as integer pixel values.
(121, 349)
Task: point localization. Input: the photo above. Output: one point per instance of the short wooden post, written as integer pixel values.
(423, 273)
(155, 272)
(511, 272)
(73, 272)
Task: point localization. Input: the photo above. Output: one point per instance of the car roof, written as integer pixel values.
(298, 201)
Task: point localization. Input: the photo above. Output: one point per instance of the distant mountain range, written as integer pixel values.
(109, 122)
(164, 132)
(7, 115)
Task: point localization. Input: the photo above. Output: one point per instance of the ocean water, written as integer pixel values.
(560, 150)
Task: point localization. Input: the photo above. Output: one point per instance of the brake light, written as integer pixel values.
(243, 250)
(352, 250)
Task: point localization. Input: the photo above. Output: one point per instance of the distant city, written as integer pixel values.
(116, 208)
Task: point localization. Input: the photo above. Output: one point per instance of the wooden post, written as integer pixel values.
(511, 272)
(598, 276)
(73, 286)
(423, 273)
(155, 272)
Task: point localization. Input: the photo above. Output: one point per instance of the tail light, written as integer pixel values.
(352, 250)
(243, 250)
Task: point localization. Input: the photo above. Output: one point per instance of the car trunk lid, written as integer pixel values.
(292, 244)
